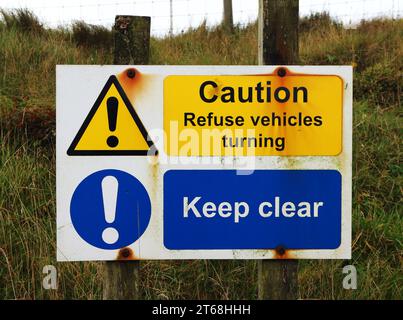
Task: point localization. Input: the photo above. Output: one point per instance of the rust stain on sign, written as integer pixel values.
(280, 252)
(133, 82)
(126, 254)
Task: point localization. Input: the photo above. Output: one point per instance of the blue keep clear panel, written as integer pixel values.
(223, 209)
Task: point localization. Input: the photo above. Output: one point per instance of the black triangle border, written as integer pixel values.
(71, 150)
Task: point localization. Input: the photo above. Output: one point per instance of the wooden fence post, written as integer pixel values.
(132, 40)
(278, 45)
(228, 20)
(132, 46)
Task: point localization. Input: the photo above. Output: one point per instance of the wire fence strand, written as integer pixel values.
(191, 13)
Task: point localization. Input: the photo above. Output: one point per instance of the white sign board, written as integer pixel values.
(203, 162)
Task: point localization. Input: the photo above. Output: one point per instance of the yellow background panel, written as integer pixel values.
(325, 99)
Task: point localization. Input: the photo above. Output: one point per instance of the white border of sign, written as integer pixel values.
(79, 86)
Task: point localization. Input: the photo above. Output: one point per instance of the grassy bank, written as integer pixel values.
(28, 55)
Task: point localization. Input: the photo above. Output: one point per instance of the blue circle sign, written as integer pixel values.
(110, 209)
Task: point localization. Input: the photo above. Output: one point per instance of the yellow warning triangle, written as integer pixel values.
(112, 127)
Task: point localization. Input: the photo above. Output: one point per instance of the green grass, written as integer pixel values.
(27, 162)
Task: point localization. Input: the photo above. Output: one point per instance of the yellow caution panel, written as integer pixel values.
(253, 115)
(112, 127)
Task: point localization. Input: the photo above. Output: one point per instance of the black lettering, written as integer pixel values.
(230, 94)
(307, 121)
(292, 123)
(280, 143)
(277, 94)
(201, 121)
(239, 121)
(259, 90)
(250, 95)
(189, 116)
(304, 94)
(229, 120)
(265, 121)
(318, 121)
(254, 120)
(202, 88)
(268, 92)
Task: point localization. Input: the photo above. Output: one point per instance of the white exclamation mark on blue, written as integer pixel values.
(110, 187)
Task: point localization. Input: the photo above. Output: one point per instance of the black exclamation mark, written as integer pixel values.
(112, 107)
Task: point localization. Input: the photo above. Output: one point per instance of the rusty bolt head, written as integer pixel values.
(131, 73)
(280, 250)
(125, 252)
(281, 72)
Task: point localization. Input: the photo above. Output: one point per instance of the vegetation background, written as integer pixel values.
(28, 55)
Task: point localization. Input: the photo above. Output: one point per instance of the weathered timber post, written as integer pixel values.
(278, 45)
(132, 46)
(228, 20)
(132, 40)
(121, 280)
